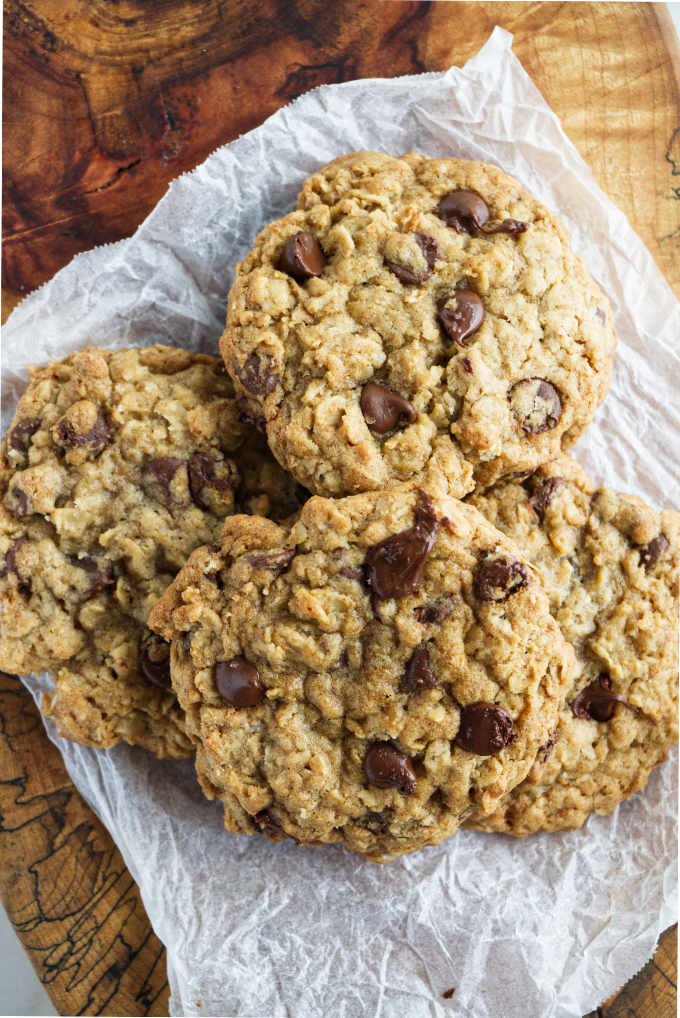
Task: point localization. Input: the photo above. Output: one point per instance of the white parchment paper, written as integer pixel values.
(544, 928)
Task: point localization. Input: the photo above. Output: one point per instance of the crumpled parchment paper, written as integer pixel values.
(544, 928)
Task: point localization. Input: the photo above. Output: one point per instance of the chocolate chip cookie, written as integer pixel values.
(611, 567)
(368, 673)
(416, 318)
(115, 467)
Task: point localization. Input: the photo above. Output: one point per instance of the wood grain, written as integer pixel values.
(105, 101)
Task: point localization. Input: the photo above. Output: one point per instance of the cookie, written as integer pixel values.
(416, 318)
(611, 568)
(116, 466)
(365, 674)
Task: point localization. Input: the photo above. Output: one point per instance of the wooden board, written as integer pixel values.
(104, 103)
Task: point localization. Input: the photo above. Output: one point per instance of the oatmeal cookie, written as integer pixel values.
(365, 674)
(116, 466)
(416, 318)
(611, 567)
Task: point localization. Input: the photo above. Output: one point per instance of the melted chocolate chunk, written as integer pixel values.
(418, 674)
(302, 256)
(387, 767)
(543, 496)
(101, 575)
(239, 683)
(460, 313)
(97, 437)
(384, 409)
(276, 560)
(269, 826)
(394, 567)
(154, 660)
(466, 211)
(496, 579)
(18, 502)
(249, 415)
(652, 552)
(596, 702)
(546, 749)
(485, 729)
(537, 405)
(436, 612)
(376, 823)
(257, 375)
(20, 435)
(428, 245)
(24, 586)
(163, 469)
(210, 472)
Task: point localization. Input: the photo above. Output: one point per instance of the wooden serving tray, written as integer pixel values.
(104, 103)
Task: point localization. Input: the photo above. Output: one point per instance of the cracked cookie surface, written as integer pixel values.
(365, 673)
(611, 568)
(416, 318)
(116, 466)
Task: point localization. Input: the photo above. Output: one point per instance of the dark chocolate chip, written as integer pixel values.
(546, 749)
(448, 994)
(21, 433)
(418, 674)
(460, 313)
(275, 560)
(384, 409)
(387, 767)
(257, 375)
(652, 552)
(466, 211)
(496, 579)
(164, 469)
(238, 681)
(97, 437)
(249, 415)
(154, 660)
(302, 256)
(428, 245)
(596, 702)
(485, 729)
(537, 404)
(393, 567)
(100, 574)
(511, 226)
(24, 585)
(543, 496)
(467, 365)
(269, 826)
(376, 823)
(435, 612)
(210, 472)
(18, 502)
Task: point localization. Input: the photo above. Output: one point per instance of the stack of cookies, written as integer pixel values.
(349, 565)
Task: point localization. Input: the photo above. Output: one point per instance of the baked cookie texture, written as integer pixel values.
(367, 673)
(416, 318)
(116, 466)
(610, 566)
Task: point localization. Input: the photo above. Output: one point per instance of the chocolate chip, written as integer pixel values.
(163, 469)
(536, 404)
(460, 313)
(466, 211)
(467, 365)
(24, 585)
(249, 415)
(269, 826)
(257, 375)
(238, 681)
(385, 409)
(546, 749)
(387, 767)
(18, 502)
(496, 579)
(209, 475)
(20, 435)
(596, 702)
(376, 823)
(418, 674)
(275, 560)
(393, 567)
(543, 496)
(406, 275)
(485, 729)
(652, 552)
(302, 256)
(447, 994)
(97, 437)
(154, 660)
(435, 612)
(101, 574)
